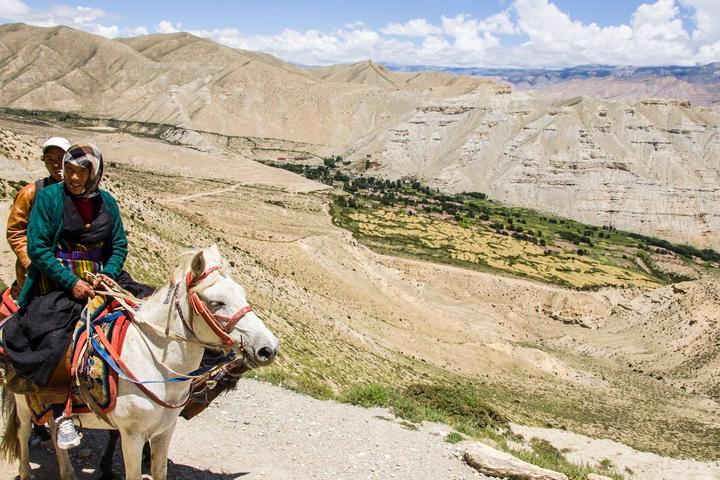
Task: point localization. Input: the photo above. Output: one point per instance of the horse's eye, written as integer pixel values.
(215, 305)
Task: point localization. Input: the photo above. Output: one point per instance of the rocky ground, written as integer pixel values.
(264, 432)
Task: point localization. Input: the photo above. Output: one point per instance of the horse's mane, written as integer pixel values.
(184, 260)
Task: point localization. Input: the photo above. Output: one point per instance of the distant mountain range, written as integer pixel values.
(702, 74)
(698, 84)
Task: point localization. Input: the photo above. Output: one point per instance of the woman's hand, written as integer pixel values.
(98, 281)
(82, 290)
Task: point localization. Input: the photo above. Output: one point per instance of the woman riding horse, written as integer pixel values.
(74, 232)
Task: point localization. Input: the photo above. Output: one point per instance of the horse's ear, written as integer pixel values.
(197, 266)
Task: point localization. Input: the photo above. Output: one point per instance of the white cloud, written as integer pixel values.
(544, 36)
(467, 34)
(137, 31)
(13, 9)
(418, 27)
(654, 36)
(167, 27)
(498, 23)
(707, 20)
(90, 19)
(111, 31)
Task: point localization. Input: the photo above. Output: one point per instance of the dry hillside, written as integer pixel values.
(649, 166)
(182, 80)
(637, 366)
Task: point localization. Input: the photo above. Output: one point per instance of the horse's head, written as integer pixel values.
(219, 311)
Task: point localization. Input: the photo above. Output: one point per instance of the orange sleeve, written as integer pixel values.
(18, 222)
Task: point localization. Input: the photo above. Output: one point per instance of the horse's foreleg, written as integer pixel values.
(132, 445)
(159, 446)
(67, 472)
(24, 418)
(106, 462)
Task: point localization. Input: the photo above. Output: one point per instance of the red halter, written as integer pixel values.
(219, 324)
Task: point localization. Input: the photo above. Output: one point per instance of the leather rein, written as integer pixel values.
(219, 324)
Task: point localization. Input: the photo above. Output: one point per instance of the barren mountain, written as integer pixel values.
(650, 167)
(185, 81)
(634, 89)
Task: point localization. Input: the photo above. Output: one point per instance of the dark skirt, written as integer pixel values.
(39, 336)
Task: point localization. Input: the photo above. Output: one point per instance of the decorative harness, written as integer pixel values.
(220, 325)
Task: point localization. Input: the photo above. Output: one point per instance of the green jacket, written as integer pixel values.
(44, 227)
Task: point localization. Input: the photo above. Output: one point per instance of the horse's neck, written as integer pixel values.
(182, 356)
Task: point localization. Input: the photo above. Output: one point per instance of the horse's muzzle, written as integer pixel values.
(265, 355)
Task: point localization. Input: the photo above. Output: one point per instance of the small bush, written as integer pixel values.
(367, 395)
(453, 437)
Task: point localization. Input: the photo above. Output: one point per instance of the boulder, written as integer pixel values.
(495, 463)
(595, 476)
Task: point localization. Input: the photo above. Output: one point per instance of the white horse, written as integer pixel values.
(201, 306)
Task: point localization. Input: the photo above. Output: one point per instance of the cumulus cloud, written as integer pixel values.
(526, 33)
(707, 19)
(137, 31)
(418, 27)
(166, 26)
(548, 37)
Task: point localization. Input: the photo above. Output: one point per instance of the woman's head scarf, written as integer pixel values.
(86, 155)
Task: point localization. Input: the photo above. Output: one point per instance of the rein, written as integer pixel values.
(220, 325)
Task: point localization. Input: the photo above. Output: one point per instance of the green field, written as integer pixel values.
(407, 218)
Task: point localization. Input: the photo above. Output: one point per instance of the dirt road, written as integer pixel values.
(264, 432)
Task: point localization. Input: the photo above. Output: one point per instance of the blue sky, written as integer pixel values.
(483, 33)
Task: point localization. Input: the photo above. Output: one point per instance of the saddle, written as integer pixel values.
(94, 383)
(83, 372)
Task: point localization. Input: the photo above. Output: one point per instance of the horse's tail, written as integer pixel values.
(10, 445)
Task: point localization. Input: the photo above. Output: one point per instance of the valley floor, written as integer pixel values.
(635, 366)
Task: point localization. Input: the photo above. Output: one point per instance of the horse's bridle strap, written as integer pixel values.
(219, 324)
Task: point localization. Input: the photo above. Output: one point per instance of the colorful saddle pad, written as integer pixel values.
(86, 365)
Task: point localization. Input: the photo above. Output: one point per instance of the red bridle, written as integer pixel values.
(219, 324)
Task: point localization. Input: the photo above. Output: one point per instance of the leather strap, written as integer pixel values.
(105, 343)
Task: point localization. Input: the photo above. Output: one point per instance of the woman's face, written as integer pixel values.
(76, 178)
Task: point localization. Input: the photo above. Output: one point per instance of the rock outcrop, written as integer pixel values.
(650, 167)
(495, 463)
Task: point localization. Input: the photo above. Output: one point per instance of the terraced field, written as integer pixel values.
(478, 247)
(469, 230)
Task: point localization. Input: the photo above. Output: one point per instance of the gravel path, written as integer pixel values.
(264, 432)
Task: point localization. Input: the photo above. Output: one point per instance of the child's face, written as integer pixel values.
(53, 157)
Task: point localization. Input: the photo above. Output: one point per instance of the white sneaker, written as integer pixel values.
(67, 436)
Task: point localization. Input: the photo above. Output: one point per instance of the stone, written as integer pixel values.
(595, 476)
(494, 463)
